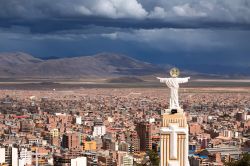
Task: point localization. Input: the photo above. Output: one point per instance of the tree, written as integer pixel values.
(154, 158)
(244, 161)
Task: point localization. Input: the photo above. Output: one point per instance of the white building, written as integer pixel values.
(21, 162)
(79, 161)
(25, 157)
(34, 141)
(14, 156)
(127, 160)
(227, 133)
(236, 134)
(9, 155)
(2, 155)
(78, 120)
(99, 130)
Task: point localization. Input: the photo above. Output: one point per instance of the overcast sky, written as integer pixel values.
(179, 32)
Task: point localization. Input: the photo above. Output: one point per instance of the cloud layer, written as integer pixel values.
(217, 10)
(75, 8)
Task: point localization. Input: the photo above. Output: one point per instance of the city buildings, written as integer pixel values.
(117, 127)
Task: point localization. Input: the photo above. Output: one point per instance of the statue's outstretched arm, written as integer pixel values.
(162, 80)
(183, 80)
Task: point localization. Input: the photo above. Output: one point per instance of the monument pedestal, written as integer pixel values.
(174, 139)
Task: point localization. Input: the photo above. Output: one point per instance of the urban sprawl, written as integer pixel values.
(118, 127)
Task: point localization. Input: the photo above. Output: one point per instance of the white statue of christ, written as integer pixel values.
(173, 84)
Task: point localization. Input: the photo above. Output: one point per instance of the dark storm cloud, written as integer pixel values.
(54, 25)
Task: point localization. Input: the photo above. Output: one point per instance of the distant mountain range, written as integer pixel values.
(20, 65)
(102, 65)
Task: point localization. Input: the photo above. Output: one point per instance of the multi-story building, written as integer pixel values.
(9, 156)
(26, 125)
(127, 160)
(135, 143)
(105, 161)
(144, 131)
(99, 130)
(25, 157)
(227, 133)
(54, 132)
(71, 141)
(89, 145)
(78, 120)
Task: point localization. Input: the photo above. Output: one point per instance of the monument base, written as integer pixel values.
(174, 139)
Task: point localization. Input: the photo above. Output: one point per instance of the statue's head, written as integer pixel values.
(174, 72)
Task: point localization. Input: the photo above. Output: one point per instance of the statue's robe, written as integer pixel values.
(173, 84)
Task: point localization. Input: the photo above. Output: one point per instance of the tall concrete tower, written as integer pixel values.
(174, 129)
